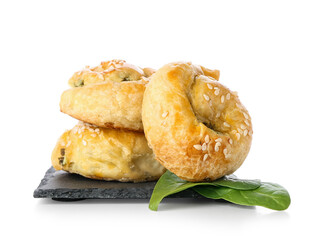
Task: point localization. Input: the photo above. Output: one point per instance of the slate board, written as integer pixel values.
(63, 186)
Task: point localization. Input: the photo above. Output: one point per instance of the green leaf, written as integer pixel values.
(169, 184)
(269, 195)
(231, 181)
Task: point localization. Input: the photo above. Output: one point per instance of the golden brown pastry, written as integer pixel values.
(197, 127)
(108, 154)
(109, 95)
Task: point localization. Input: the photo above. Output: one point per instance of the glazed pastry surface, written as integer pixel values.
(197, 127)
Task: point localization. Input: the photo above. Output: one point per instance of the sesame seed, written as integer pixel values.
(165, 114)
(97, 130)
(80, 136)
(240, 130)
(207, 139)
(218, 144)
(225, 151)
(198, 146)
(230, 141)
(250, 133)
(206, 97)
(205, 156)
(100, 76)
(222, 99)
(84, 142)
(80, 72)
(226, 124)
(93, 135)
(237, 105)
(62, 144)
(68, 144)
(243, 126)
(218, 114)
(245, 115)
(216, 148)
(228, 96)
(204, 147)
(216, 91)
(238, 136)
(247, 122)
(245, 132)
(227, 155)
(219, 140)
(209, 86)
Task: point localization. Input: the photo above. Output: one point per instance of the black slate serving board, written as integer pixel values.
(60, 185)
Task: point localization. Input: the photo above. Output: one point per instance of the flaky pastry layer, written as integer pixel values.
(107, 154)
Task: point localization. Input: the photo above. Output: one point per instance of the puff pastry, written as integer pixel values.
(109, 95)
(107, 154)
(197, 127)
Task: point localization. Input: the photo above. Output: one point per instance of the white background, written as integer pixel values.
(271, 52)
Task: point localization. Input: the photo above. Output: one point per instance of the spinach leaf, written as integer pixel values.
(169, 184)
(269, 195)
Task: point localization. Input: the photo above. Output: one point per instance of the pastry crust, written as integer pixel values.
(197, 127)
(109, 95)
(106, 154)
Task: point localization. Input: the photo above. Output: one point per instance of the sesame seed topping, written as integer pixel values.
(237, 105)
(230, 141)
(240, 130)
(84, 142)
(247, 122)
(93, 135)
(205, 156)
(228, 96)
(238, 136)
(216, 91)
(245, 115)
(245, 132)
(218, 144)
(218, 114)
(68, 144)
(226, 124)
(204, 147)
(216, 148)
(219, 140)
(197, 146)
(227, 155)
(165, 114)
(222, 99)
(225, 151)
(243, 126)
(209, 86)
(206, 97)
(250, 133)
(97, 130)
(207, 139)
(80, 136)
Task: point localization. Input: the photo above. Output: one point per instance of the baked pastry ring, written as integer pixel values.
(109, 95)
(107, 154)
(197, 127)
